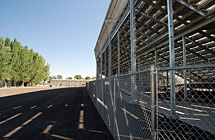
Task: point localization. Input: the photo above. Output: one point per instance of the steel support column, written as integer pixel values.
(101, 82)
(97, 69)
(184, 64)
(139, 63)
(171, 55)
(101, 67)
(133, 48)
(190, 78)
(118, 49)
(133, 37)
(156, 58)
(109, 52)
(105, 63)
(118, 72)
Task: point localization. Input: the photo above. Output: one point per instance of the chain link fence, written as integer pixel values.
(144, 105)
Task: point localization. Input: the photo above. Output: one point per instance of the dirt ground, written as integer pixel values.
(15, 91)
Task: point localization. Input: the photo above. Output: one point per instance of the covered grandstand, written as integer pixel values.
(156, 69)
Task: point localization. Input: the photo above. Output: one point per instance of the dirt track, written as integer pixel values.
(15, 91)
(50, 114)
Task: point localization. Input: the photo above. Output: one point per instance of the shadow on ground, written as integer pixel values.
(58, 114)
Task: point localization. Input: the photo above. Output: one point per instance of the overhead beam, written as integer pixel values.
(153, 19)
(201, 46)
(191, 7)
(190, 29)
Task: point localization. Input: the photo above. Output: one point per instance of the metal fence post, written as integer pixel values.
(114, 107)
(154, 103)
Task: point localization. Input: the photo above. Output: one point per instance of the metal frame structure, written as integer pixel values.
(178, 38)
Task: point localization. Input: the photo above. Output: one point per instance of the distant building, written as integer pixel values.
(68, 83)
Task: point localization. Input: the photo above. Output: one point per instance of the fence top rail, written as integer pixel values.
(162, 69)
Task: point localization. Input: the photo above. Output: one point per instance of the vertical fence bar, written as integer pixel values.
(171, 55)
(154, 119)
(114, 107)
(97, 78)
(184, 64)
(97, 89)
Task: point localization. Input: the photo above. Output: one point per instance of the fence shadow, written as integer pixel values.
(65, 113)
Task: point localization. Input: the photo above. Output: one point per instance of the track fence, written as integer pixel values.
(147, 105)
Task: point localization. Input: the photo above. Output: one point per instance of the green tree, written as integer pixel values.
(52, 77)
(7, 42)
(59, 77)
(21, 65)
(15, 61)
(87, 78)
(78, 77)
(23, 70)
(5, 60)
(42, 70)
(69, 78)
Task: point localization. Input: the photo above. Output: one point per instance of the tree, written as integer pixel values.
(87, 78)
(59, 77)
(52, 77)
(23, 70)
(42, 70)
(5, 60)
(78, 77)
(45, 74)
(15, 61)
(69, 78)
(21, 65)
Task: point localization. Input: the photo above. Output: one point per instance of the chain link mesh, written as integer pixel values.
(125, 104)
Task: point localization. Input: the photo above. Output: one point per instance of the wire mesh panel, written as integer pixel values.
(193, 116)
(125, 111)
(99, 95)
(126, 107)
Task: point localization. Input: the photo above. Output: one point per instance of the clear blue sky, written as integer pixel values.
(64, 32)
